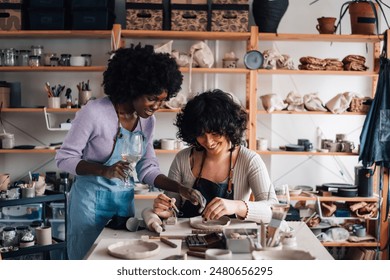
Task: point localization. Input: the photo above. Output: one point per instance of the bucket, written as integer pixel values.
(363, 19)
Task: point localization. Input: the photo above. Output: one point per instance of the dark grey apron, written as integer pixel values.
(209, 190)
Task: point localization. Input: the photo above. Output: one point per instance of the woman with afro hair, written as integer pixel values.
(217, 164)
(136, 83)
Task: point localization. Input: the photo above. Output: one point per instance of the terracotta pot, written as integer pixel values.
(363, 20)
(326, 25)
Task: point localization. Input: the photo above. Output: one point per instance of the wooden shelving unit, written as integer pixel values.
(252, 40)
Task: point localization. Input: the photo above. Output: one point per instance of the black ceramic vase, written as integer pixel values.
(268, 13)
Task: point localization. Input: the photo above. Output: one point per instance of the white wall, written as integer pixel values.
(299, 18)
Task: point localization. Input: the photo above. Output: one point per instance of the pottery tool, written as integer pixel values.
(263, 234)
(201, 255)
(168, 242)
(274, 226)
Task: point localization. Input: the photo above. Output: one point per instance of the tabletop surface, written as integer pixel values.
(99, 251)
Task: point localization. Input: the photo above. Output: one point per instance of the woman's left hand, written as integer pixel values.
(219, 207)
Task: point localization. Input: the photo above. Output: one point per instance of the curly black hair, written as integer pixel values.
(137, 71)
(213, 111)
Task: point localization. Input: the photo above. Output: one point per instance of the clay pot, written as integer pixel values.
(326, 25)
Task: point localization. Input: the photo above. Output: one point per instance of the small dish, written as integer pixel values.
(282, 255)
(198, 223)
(253, 60)
(133, 249)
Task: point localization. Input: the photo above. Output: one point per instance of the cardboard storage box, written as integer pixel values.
(10, 15)
(230, 17)
(189, 17)
(146, 16)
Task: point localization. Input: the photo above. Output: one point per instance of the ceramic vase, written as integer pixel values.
(268, 14)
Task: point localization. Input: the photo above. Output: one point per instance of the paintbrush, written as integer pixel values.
(274, 226)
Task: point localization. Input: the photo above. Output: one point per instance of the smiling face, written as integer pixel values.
(146, 105)
(213, 143)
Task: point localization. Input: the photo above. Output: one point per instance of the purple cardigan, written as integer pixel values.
(91, 138)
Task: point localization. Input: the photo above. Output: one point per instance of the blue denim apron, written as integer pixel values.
(93, 200)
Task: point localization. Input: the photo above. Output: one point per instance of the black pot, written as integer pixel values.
(268, 13)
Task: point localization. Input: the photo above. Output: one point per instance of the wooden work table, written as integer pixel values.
(305, 241)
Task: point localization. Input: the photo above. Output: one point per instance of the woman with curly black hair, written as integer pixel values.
(136, 82)
(216, 164)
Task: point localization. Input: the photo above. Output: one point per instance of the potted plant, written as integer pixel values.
(364, 15)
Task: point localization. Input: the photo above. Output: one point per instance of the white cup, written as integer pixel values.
(43, 235)
(262, 144)
(77, 61)
(167, 144)
(54, 102)
(218, 254)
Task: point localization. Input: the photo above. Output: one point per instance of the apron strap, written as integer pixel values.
(230, 173)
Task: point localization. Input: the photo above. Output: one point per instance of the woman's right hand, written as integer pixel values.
(117, 170)
(162, 206)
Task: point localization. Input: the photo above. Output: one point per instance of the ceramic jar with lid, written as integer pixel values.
(9, 237)
(64, 59)
(34, 61)
(37, 50)
(7, 140)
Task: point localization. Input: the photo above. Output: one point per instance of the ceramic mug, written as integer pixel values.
(326, 25)
(262, 144)
(167, 144)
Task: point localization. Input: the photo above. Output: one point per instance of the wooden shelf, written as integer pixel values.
(313, 153)
(64, 110)
(350, 244)
(316, 72)
(285, 112)
(57, 34)
(185, 35)
(321, 37)
(52, 69)
(333, 198)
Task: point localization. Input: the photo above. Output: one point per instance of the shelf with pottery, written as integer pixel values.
(286, 112)
(344, 38)
(57, 244)
(56, 34)
(314, 197)
(317, 72)
(313, 153)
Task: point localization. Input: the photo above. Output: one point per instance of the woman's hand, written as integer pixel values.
(194, 196)
(219, 207)
(117, 170)
(162, 206)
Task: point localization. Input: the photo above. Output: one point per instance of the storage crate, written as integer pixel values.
(110, 4)
(57, 228)
(188, 17)
(92, 19)
(10, 15)
(45, 19)
(230, 17)
(145, 16)
(58, 210)
(22, 212)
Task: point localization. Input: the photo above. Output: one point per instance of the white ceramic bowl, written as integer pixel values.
(77, 61)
